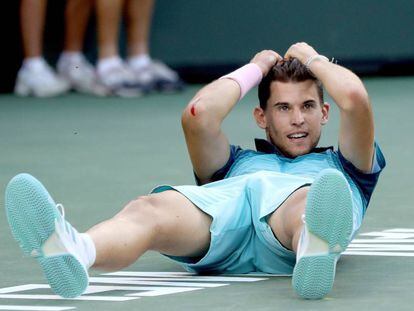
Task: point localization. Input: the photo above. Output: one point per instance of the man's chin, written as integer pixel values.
(296, 152)
(293, 150)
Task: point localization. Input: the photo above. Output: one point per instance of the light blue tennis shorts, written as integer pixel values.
(241, 239)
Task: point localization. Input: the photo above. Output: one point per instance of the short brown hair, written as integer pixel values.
(286, 70)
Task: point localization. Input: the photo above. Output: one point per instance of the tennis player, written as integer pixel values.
(288, 207)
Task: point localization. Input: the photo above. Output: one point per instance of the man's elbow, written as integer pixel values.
(357, 98)
(195, 116)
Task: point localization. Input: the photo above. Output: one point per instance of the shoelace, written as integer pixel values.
(61, 209)
(69, 236)
(63, 228)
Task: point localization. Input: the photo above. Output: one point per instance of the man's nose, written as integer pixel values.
(297, 117)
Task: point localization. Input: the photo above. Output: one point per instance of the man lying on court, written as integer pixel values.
(288, 207)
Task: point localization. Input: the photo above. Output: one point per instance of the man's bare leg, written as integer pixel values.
(286, 222)
(166, 222)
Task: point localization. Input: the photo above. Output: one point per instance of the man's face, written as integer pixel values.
(293, 117)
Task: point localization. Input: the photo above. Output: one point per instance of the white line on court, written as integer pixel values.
(34, 308)
(380, 241)
(143, 291)
(150, 284)
(383, 254)
(183, 277)
(56, 297)
(21, 288)
(382, 247)
(390, 235)
(139, 281)
(400, 230)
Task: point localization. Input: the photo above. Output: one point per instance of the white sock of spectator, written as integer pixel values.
(33, 63)
(139, 61)
(107, 63)
(71, 56)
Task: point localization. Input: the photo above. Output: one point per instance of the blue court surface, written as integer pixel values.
(96, 154)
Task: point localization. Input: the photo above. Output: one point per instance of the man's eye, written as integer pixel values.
(283, 108)
(308, 106)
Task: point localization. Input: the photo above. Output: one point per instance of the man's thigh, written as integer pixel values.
(182, 229)
(287, 219)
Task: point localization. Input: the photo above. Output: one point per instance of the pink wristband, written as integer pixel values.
(247, 77)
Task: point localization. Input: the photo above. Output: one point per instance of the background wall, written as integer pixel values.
(203, 39)
(367, 34)
(230, 31)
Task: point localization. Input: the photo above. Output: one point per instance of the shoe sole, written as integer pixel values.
(328, 216)
(31, 214)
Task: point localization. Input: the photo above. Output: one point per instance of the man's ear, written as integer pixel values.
(325, 113)
(260, 117)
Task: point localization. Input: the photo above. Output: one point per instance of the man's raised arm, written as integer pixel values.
(356, 135)
(207, 145)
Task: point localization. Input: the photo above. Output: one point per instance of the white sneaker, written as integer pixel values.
(119, 80)
(42, 232)
(326, 234)
(144, 78)
(158, 76)
(80, 74)
(39, 81)
(165, 79)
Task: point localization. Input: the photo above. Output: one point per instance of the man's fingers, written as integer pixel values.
(301, 50)
(266, 59)
(287, 54)
(274, 58)
(267, 56)
(293, 50)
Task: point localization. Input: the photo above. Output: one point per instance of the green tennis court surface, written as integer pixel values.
(96, 154)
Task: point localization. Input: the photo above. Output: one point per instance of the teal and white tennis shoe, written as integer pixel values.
(328, 224)
(42, 232)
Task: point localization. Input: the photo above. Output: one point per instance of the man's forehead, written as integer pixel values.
(285, 90)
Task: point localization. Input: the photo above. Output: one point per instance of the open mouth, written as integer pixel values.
(297, 136)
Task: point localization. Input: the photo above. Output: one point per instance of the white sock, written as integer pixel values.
(310, 245)
(89, 250)
(34, 63)
(105, 64)
(67, 239)
(70, 56)
(139, 62)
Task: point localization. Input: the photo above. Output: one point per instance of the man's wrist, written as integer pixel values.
(313, 58)
(247, 77)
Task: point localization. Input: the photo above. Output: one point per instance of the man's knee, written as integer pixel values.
(143, 210)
